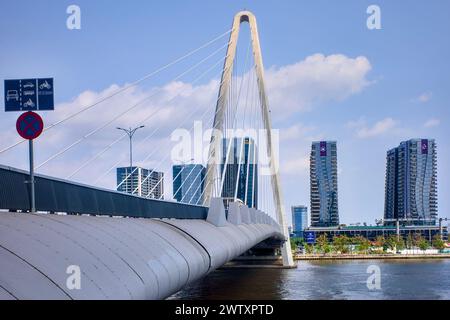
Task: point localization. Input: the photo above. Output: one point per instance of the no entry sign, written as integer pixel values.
(29, 125)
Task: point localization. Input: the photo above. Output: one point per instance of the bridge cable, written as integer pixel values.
(183, 122)
(242, 149)
(229, 146)
(124, 112)
(233, 123)
(143, 121)
(252, 112)
(192, 169)
(162, 161)
(151, 154)
(133, 84)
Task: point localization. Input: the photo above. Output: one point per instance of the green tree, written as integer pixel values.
(327, 248)
(300, 242)
(341, 243)
(293, 245)
(380, 241)
(309, 249)
(438, 243)
(409, 241)
(423, 244)
(297, 242)
(400, 244)
(322, 243)
(362, 244)
(417, 237)
(391, 242)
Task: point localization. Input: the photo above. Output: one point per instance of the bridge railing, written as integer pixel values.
(56, 195)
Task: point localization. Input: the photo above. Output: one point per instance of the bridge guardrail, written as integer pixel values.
(57, 195)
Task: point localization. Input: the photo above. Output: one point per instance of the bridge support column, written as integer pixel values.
(246, 16)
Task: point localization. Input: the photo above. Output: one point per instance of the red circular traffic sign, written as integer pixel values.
(29, 125)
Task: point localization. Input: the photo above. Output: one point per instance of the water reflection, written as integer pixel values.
(400, 279)
(237, 284)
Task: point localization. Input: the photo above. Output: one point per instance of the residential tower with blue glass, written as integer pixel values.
(188, 183)
(324, 184)
(411, 183)
(299, 220)
(240, 170)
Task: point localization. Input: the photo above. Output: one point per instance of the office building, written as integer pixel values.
(324, 184)
(241, 171)
(141, 182)
(188, 183)
(299, 220)
(411, 183)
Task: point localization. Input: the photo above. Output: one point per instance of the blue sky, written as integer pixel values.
(401, 92)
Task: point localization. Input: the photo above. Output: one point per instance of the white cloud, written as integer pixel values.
(361, 122)
(292, 88)
(379, 128)
(317, 79)
(424, 97)
(296, 165)
(432, 123)
(295, 132)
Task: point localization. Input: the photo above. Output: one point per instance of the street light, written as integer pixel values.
(130, 132)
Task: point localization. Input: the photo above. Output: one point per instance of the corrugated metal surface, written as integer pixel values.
(119, 258)
(54, 195)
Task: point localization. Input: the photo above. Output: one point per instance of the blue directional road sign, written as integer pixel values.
(29, 95)
(310, 237)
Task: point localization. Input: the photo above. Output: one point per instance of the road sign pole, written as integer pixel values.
(32, 194)
(29, 126)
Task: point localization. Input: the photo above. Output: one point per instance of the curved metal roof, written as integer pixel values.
(119, 258)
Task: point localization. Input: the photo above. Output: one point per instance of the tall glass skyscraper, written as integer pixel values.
(324, 184)
(188, 183)
(146, 182)
(411, 183)
(299, 220)
(241, 165)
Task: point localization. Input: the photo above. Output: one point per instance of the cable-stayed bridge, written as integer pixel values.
(143, 245)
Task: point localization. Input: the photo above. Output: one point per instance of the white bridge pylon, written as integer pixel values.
(215, 144)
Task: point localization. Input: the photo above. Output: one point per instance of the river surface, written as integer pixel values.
(340, 279)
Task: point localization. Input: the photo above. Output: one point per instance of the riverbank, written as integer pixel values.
(369, 256)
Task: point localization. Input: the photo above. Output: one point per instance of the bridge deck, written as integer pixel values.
(119, 258)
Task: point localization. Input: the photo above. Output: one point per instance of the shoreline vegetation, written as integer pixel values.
(341, 247)
(387, 256)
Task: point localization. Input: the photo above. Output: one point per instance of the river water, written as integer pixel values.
(339, 279)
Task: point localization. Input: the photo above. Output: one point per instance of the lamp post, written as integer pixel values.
(130, 132)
